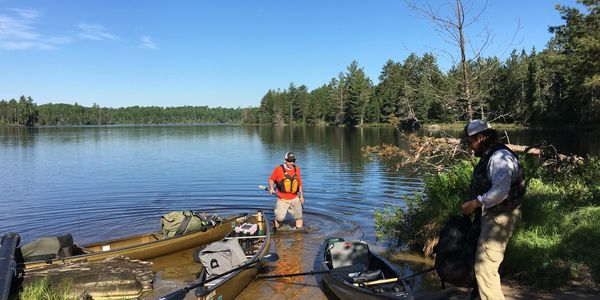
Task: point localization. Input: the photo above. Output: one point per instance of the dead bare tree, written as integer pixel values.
(452, 28)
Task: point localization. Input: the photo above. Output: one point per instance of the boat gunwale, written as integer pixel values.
(253, 261)
(109, 253)
(341, 283)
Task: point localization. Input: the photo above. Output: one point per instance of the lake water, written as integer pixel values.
(99, 183)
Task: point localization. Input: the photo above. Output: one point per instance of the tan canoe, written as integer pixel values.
(145, 246)
(230, 286)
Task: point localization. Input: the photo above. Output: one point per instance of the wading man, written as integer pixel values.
(497, 187)
(286, 178)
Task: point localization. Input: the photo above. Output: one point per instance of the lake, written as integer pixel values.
(99, 183)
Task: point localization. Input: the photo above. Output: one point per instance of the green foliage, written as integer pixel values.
(27, 113)
(43, 290)
(390, 223)
(559, 85)
(559, 235)
(22, 113)
(359, 89)
(419, 221)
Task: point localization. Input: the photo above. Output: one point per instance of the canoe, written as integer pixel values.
(357, 273)
(352, 271)
(8, 270)
(144, 246)
(256, 246)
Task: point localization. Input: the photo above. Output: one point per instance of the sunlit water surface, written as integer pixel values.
(100, 183)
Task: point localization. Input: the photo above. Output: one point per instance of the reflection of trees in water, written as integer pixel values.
(343, 144)
(18, 136)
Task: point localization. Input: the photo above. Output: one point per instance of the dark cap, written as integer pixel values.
(290, 157)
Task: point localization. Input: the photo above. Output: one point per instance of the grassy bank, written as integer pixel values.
(557, 241)
(43, 290)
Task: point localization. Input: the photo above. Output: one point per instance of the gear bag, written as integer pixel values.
(177, 223)
(220, 257)
(47, 248)
(455, 251)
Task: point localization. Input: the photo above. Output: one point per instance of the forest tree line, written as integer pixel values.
(25, 112)
(557, 86)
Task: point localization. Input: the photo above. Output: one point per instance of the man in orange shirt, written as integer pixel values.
(286, 178)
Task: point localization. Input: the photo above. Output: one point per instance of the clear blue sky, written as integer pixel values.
(225, 53)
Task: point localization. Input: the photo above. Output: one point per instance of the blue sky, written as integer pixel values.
(226, 53)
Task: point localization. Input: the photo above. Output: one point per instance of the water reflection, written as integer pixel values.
(100, 183)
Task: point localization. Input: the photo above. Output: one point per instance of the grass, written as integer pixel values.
(43, 290)
(557, 241)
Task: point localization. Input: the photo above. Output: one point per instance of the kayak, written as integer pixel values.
(144, 246)
(254, 245)
(354, 272)
(8, 270)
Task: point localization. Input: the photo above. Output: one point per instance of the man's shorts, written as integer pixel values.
(283, 206)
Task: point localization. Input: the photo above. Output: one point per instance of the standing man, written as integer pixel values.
(286, 177)
(497, 187)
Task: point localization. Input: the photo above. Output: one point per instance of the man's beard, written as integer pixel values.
(479, 152)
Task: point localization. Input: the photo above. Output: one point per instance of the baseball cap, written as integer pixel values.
(477, 126)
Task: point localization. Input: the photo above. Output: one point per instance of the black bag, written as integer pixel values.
(455, 251)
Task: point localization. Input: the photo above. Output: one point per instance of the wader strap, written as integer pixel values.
(183, 225)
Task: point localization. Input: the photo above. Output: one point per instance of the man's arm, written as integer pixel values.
(272, 180)
(271, 188)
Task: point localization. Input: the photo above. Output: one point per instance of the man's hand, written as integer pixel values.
(271, 190)
(469, 206)
(302, 199)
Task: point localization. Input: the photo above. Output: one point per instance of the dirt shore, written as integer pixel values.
(515, 290)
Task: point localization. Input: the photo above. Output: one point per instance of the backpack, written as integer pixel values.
(455, 251)
(177, 223)
(48, 248)
(220, 257)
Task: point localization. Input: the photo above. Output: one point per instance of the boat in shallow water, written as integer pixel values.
(254, 245)
(357, 273)
(352, 271)
(144, 246)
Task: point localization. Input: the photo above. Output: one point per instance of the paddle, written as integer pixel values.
(293, 274)
(394, 279)
(180, 294)
(329, 271)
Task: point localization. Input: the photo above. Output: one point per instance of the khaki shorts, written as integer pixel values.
(283, 206)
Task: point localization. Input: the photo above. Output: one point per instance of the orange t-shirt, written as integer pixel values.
(278, 176)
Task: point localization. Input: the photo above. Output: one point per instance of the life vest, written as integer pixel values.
(481, 183)
(289, 183)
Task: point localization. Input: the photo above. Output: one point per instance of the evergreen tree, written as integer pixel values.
(359, 93)
(27, 112)
(389, 91)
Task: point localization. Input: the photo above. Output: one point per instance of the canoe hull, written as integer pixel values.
(233, 284)
(344, 289)
(146, 246)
